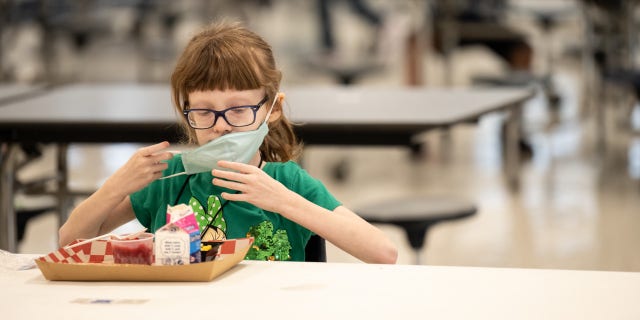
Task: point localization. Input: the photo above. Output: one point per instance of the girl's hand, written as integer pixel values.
(254, 185)
(145, 166)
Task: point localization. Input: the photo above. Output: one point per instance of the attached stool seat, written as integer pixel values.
(345, 71)
(417, 214)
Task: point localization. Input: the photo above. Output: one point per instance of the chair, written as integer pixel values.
(417, 214)
(316, 250)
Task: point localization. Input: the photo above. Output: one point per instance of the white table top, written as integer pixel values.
(126, 103)
(399, 105)
(292, 290)
(9, 91)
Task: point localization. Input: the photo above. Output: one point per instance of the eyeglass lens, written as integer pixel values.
(236, 116)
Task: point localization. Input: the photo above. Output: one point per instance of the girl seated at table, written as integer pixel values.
(226, 85)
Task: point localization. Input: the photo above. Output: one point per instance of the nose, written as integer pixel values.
(220, 124)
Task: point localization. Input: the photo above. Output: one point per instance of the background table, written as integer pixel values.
(329, 115)
(14, 92)
(109, 113)
(294, 290)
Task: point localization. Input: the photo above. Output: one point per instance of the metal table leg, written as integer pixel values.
(7, 211)
(512, 152)
(62, 193)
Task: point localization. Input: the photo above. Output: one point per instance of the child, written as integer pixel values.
(226, 85)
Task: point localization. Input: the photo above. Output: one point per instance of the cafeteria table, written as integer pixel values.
(308, 290)
(11, 92)
(113, 113)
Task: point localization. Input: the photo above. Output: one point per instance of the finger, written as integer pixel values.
(150, 150)
(156, 176)
(237, 166)
(229, 184)
(163, 156)
(228, 175)
(233, 196)
(159, 167)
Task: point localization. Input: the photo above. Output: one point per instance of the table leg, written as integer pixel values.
(512, 147)
(7, 212)
(601, 123)
(62, 193)
(419, 260)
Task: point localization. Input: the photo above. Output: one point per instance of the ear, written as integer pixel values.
(277, 107)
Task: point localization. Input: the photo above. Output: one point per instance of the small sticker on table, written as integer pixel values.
(108, 301)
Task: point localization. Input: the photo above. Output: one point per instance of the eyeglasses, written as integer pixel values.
(240, 116)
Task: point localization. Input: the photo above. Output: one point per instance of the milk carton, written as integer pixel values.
(178, 242)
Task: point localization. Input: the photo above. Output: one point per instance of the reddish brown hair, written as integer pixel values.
(229, 56)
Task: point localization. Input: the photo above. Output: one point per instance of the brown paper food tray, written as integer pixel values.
(204, 271)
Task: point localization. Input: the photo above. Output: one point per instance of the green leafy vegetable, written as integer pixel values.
(267, 245)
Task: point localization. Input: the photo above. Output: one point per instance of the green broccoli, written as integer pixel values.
(266, 245)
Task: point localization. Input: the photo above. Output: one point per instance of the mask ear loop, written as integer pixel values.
(271, 109)
(173, 175)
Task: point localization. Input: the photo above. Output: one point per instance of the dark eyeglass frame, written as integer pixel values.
(221, 114)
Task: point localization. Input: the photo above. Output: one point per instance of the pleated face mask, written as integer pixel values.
(234, 147)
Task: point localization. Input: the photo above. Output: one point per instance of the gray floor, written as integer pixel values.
(578, 207)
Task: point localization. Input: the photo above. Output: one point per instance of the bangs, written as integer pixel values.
(225, 59)
(223, 67)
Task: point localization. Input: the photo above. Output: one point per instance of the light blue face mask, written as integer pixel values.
(235, 147)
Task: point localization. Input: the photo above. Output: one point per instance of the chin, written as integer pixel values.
(205, 141)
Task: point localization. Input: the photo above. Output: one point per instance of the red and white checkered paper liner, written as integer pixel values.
(99, 251)
(229, 247)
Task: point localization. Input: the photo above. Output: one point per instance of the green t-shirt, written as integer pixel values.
(150, 203)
